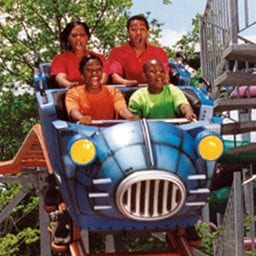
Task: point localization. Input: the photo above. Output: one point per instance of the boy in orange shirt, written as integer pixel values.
(94, 101)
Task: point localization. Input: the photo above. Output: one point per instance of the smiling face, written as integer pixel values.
(154, 74)
(92, 73)
(138, 33)
(78, 39)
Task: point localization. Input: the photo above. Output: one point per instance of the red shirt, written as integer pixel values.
(106, 104)
(68, 63)
(123, 61)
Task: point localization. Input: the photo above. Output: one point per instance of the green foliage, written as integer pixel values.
(130, 242)
(188, 42)
(249, 222)
(167, 1)
(16, 236)
(147, 242)
(32, 29)
(11, 243)
(18, 114)
(195, 79)
(7, 193)
(8, 245)
(207, 237)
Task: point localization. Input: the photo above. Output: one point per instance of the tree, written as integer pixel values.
(18, 113)
(16, 236)
(189, 42)
(188, 45)
(32, 28)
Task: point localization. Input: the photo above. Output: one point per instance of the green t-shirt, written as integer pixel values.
(163, 105)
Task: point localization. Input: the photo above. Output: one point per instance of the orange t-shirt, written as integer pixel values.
(103, 105)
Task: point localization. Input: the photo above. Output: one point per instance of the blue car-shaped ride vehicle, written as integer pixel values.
(131, 175)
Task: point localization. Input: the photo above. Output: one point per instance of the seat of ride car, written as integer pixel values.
(59, 100)
(59, 95)
(193, 99)
(45, 69)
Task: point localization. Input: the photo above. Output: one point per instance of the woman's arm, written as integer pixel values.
(117, 79)
(104, 79)
(62, 81)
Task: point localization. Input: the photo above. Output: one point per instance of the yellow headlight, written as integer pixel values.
(210, 147)
(82, 151)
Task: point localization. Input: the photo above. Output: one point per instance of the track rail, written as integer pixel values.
(178, 245)
(32, 154)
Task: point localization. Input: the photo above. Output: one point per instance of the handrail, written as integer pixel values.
(223, 23)
(117, 121)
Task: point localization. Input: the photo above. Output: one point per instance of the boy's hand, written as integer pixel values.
(85, 120)
(191, 116)
(133, 118)
(188, 112)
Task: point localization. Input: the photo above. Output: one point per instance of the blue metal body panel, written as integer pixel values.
(122, 150)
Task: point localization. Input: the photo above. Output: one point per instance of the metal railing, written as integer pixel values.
(230, 240)
(249, 208)
(224, 22)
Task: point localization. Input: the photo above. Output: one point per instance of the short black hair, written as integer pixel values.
(67, 30)
(87, 58)
(146, 63)
(137, 17)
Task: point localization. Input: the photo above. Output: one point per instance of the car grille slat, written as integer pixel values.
(138, 201)
(147, 198)
(150, 195)
(129, 195)
(165, 195)
(174, 197)
(156, 193)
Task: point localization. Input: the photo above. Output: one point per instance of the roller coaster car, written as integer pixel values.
(178, 74)
(139, 175)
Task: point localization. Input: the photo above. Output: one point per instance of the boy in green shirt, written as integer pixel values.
(158, 100)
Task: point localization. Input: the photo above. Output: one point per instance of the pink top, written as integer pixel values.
(68, 63)
(123, 61)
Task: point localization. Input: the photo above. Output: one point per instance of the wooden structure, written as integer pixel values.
(32, 154)
(30, 165)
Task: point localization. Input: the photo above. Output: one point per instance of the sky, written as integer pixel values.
(176, 17)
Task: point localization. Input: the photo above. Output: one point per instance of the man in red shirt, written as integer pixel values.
(126, 62)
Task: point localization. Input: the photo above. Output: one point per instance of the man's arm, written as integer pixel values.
(117, 79)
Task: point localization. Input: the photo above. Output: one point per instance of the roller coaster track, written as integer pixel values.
(177, 246)
(31, 156)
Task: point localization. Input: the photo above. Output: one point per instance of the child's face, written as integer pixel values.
(92, 73)
(155, 76)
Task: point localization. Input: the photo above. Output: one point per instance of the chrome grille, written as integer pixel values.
(150, 195)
